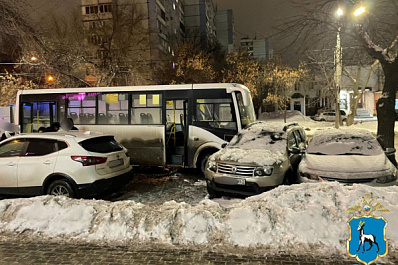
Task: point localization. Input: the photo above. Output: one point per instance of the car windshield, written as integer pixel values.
(248, 139)
(344, 144)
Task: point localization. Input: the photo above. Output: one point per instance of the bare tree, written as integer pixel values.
(375, 31)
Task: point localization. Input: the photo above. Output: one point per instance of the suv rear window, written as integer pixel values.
(104, 144)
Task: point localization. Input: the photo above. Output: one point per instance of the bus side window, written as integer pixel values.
(146, 109)
(215, 113)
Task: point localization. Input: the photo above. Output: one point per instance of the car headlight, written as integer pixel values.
(263, 171)
(309, 176)
(212, 165)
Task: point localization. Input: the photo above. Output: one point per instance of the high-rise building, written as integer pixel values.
(225, 31)
(139, 31)
(257, 48)
(199, 21)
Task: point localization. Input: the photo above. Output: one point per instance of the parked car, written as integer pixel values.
(347, 156)
(69, 164)
(330, 115)
(260, 157)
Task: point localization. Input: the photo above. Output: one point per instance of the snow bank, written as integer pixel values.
(301, 215)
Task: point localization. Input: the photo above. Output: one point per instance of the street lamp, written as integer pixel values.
(359, 11)
(338, 61)
(338, 69)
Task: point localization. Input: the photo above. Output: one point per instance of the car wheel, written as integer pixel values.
(61, 187)
(288, 179)
(322, 120)
(213, 193)
(344, 120)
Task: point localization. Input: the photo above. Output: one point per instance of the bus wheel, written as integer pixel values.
(202, 162)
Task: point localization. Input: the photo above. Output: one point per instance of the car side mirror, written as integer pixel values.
(223, 145)
(296, 150)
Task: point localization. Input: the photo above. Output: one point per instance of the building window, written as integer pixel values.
(105, 8)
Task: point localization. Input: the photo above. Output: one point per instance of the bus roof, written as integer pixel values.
(228, 86)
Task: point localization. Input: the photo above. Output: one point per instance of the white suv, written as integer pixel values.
(63, 163)
(330, 115)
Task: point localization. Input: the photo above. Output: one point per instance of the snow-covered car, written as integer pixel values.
(62, 163)
(260, 157)
(347, 156)
(330, 115)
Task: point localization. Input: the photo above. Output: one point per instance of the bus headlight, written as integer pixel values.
(212, 166)
(263, 171)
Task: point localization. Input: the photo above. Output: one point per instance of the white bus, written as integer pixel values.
(168, 125)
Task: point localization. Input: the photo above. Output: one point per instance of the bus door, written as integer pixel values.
(176, 131)
(36, 115)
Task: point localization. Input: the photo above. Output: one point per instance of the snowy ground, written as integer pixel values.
(295, 219)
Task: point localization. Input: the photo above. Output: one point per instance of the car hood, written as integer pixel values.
(346, 163)
(258, 157)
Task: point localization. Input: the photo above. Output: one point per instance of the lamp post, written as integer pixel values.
(338, 61)
(338, 70)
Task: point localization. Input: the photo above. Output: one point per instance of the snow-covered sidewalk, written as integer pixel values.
(310, 217)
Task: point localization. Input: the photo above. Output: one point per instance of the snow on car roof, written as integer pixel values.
(344, 141)
(260, 143)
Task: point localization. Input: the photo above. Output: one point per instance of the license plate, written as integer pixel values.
(241, 182)
(115, 163)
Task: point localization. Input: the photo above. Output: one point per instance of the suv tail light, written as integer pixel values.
(127, 154)
(89, 160)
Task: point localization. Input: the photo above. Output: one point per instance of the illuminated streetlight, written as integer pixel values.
(359, 11)
(50, 78)
(33, 58)
(340, 12)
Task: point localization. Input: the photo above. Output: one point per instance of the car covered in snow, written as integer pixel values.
(72, 164)
(347, 156)
(260, 157)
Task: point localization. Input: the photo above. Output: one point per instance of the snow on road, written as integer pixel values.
(308, 216)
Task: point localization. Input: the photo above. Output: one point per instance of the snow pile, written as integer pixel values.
(262, 143)
(306, 216)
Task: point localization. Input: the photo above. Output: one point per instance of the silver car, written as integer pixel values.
(260, 157)
(347, 156)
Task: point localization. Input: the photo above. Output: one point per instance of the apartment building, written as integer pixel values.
(143, 32)
(225, 31)
(200, 21)
(257, 48)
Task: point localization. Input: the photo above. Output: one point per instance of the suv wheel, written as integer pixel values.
(61, 187)
(288, 179)
(213, 193)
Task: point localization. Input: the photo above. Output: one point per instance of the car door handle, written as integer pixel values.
(11, 164)
(48, 162)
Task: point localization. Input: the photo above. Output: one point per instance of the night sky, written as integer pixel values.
(256, 17)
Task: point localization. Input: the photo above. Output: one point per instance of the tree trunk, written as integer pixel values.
(385, 106)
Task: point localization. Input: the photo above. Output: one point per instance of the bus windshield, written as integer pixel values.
(246, 113)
